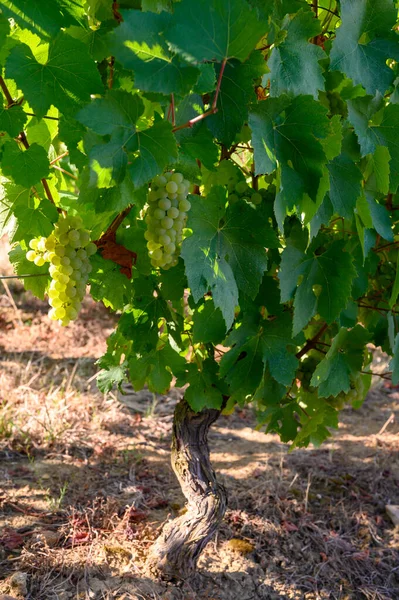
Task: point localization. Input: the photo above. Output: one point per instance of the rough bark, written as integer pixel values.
(175, 553)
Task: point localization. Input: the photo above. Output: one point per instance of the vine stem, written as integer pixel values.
(10, 101)
(24, 141)
(311, 344)
(213, 108)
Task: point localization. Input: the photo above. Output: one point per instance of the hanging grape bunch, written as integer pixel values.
(67, 249)
(242, 190)
(166, 217)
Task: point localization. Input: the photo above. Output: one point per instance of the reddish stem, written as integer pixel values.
(7, 94)
(213, 108)
(310, 344)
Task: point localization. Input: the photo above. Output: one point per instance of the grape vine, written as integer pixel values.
(225, 180)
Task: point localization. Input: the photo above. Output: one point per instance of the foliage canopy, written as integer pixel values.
(285, 117)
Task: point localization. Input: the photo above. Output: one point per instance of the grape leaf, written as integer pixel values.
(108, 164)
(343, 359)
(380, 218)
(215, 30)
(25, 167)
(209, 325)
(292, 139)
(256, 346)
(236, 92)
(157, 368)
(319, 416)
(360, 112)
(345, 185)
(43, 19)
(294, 63)
(138, 45)
(108, 285)
(225, 257)
(118, 109)
(157, 148)
(66, 79)
(111, 375)
(203, 390)
(198, 144)
(332, 270)
(364, 43)
(12, 119)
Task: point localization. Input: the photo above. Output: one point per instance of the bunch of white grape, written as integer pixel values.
(67, 249)
(166, 217)
(242, 190)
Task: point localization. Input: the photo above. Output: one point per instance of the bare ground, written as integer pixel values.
(85, 484)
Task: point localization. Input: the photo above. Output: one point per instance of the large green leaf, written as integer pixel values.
(236, 93)
(290, 133)
(117, 110)
(364, 43)
(138, 45)
(44, 18)
(294, 63)
(12, 119)
(325, 282)
(25, 167)
(156, 147)
(215, 30)
(256, 346)
(345, 185)
(225, 257)
(66, 79)
(344, 358)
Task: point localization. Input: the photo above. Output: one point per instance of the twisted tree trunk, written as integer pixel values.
(175, 553)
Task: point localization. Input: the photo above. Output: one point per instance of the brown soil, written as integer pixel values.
(85, 484)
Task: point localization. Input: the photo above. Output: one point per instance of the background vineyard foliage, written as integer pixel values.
(285, 117)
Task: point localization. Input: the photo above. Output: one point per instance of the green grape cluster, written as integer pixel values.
(166, 217)
(67, 249)
(241, 189)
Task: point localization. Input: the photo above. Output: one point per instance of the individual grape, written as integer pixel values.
(159, 213)
(157, 254)
(164, 239)
(170, 248)
(153, 196)
(241, 187)
(59, 250)
(91, 249)
(160, 181)
(71, 313)
(256, 198)
(233, 198)
(177, 178)
(33, 244)
(31, 255)
(55, 301)
(84, 238)
(59, 312)
(50, 243)
(173, 213)
(167, 222)
(41, 244)
(81, 254)
(55, 260)
(181, 189)
(165, 204)
(171, 187)
(184, 205)
(39, 261)
(76, 263)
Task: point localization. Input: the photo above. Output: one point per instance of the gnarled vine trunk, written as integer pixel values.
(175, 553)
